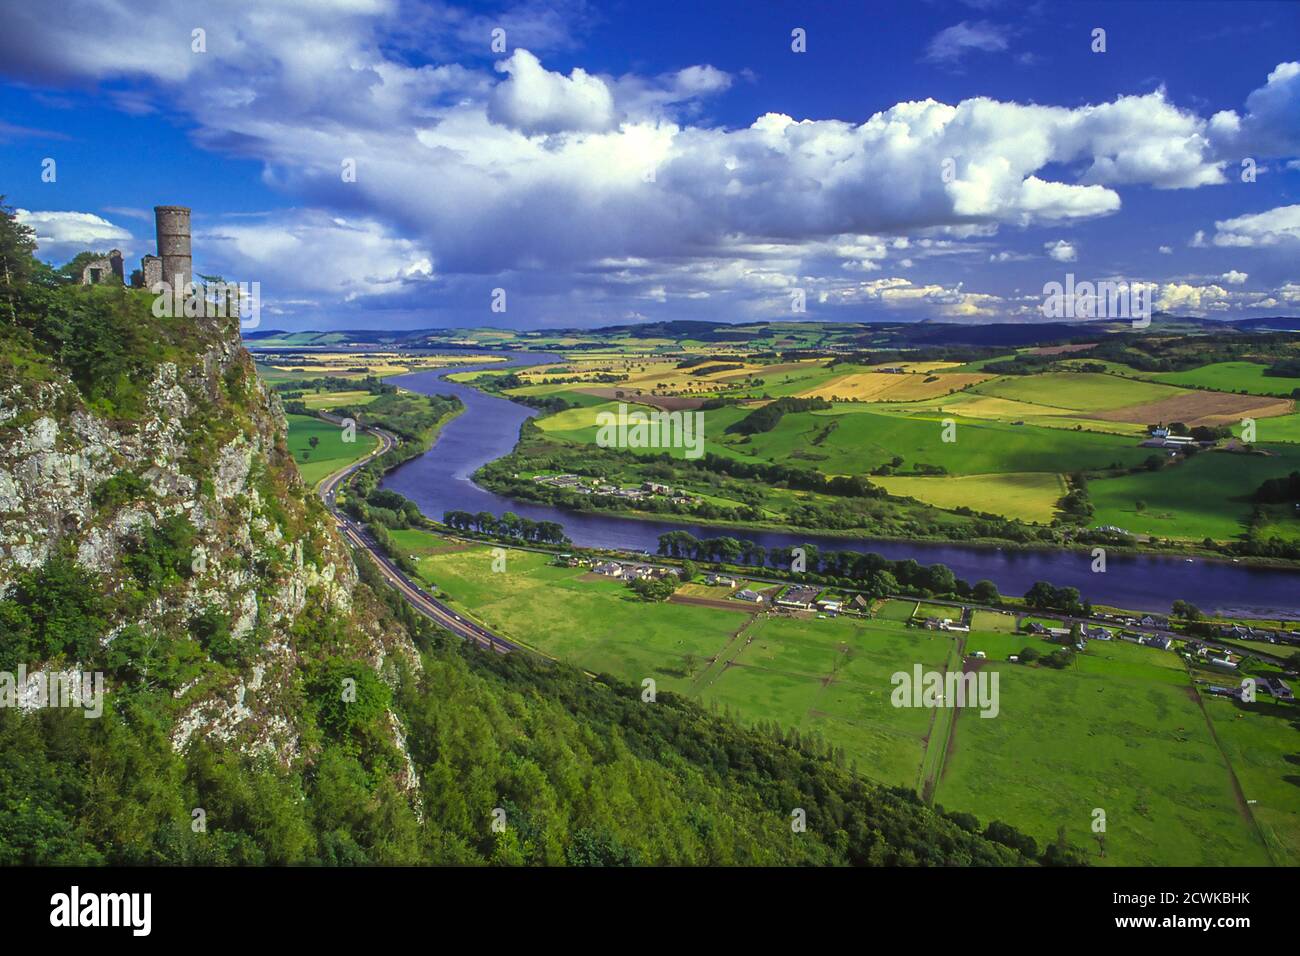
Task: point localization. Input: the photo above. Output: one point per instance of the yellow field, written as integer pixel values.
(892, 387)
(360, 364)
(1031, 496)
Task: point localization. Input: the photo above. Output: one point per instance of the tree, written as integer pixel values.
(17, 247)
(986, 592)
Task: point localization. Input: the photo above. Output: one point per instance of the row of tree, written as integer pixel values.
(509, 525)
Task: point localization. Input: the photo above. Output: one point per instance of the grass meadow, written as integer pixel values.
(1122, 730)
(331, 452)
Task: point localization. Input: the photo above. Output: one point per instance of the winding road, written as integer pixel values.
(413, 593)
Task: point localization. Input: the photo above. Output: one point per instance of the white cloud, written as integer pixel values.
(1271, 228)
(1187, 299)
(315, 253)
(1061, 250)
(534, 100)
(954, 42)
(472, 169)
(1271, 125)
(1233, 277)
(1166, 250)
(61, 235)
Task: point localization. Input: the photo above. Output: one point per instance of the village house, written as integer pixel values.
(746, 594)
(798, 597)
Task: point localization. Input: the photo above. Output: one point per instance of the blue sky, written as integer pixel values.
(623, 162)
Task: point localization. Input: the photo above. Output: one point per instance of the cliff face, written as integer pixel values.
(186, 457)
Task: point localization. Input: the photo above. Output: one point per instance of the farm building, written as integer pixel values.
(799, 596)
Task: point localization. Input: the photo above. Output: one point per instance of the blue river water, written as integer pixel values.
(440, 480)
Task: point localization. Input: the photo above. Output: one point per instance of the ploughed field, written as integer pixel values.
(1122, 729)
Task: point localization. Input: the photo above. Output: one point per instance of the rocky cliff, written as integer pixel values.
(187, 455)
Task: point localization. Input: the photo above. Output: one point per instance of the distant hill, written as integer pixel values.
(816, 334)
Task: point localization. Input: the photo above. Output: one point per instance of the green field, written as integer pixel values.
(993, 622)
(1206, 496)
(1029, 496)
(1229, 377)
(1076, 391)
(853, 440)
(1283, 428)
(1260, 741)
(331, 452)
(1121, 730)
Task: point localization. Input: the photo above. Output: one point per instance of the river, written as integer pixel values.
(439, 481)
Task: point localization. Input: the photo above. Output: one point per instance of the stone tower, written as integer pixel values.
(173, 223)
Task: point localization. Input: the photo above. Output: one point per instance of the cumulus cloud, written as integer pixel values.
(586, 187)
(535, 100)
(1233, 277)
(1061, 250)
(61, 235)
(1271, 228)
(1188, 299)
(1271, 124)
(314, 252)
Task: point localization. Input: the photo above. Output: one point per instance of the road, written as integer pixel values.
(413, 593)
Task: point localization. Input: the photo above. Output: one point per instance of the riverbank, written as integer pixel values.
(442, 480)
(993, 544)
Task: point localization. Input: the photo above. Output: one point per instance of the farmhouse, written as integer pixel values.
(1226, 661)
(1275, 686)
(747, 594)
(1160, 642)
(935, 624)
(799, 596)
